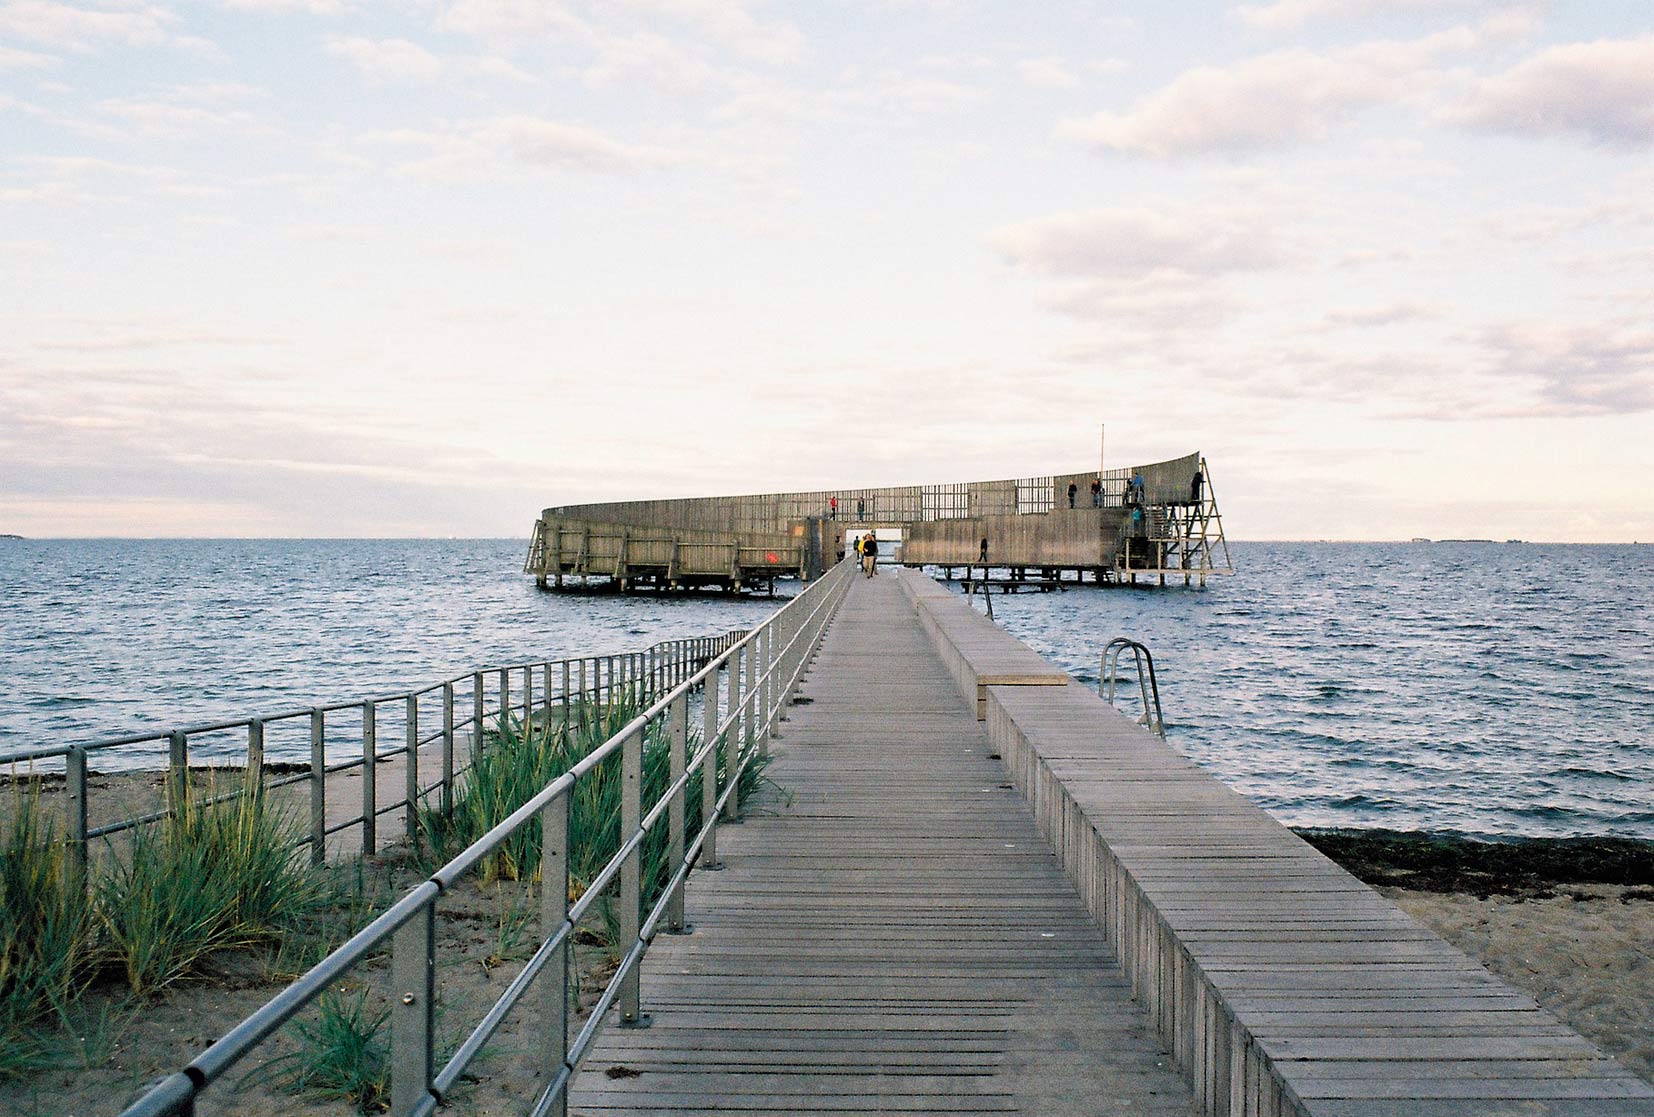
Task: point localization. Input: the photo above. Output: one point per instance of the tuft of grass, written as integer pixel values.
(209, 878)
(519, 760)
(46, 956)
(343, 1054)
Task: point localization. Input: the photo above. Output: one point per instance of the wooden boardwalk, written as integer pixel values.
(896, 937)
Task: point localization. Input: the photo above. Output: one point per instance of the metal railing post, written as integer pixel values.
(750, 719)
(580, 695)
(74, 805)
(732, 741)
(370, 778)
(447, 748)
(769, 685)
(318, 787)
(255, 756)
(505, 698)
(554, 911)
(631, 877)
(476, 712)
(413, 1011)
(545, 695)
(566, 708)
(178, 770)
(410, 813)
(709, 772)
(677, 753)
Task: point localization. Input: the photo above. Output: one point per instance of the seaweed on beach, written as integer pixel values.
(1432, 862)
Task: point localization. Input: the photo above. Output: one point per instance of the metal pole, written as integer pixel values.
(732, 743)
(677, 751)
(631, 878)
(709, 773)
(255, 755)
(447, 748)
(554, 911)
(413, 1011)
(410, 814)
(476, 713)
(318, 787)
(370, 787)
(178, 770)
(505, 699)
(74, 805)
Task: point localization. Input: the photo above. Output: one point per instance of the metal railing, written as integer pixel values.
(744, 689)
(417, 719)
(1147, 685)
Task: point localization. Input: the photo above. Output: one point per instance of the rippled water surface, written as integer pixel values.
(1487, 688)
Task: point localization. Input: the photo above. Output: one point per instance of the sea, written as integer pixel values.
(1496, 689)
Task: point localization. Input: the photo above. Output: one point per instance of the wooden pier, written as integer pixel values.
(1049, 911)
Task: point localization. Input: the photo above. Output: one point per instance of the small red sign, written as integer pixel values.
(769, 556)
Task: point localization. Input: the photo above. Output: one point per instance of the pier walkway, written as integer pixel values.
(1049, 911)
(892, 934)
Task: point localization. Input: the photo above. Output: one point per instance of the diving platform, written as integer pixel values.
(1154, 522)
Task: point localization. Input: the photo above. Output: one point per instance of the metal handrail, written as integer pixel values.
(1147, 685)
(583, 679)
(757, 675)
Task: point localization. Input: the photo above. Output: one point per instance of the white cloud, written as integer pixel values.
(1599, 368)
(1135, 242)
(1049, 73)
(70, 27)
(386, 59)
(1270, 101)
(1287, 14)
(1274, 100)
(13, 59)
(730, 25)
(314, 7)
(1386, 314)
(1602, 91)
(520, 140)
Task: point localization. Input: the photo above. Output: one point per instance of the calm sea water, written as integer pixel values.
(1482, 688)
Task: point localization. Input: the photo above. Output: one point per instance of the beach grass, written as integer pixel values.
(47, 942)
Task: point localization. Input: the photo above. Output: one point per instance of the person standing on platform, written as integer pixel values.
(1073, 490)
(1096, 492)
(983, 557)
(832, 508)
(1195, 487)
(861, 508)
(1137, 487)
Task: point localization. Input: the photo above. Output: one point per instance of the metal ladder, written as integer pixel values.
(1146, 684)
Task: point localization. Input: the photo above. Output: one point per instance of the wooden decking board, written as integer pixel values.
(894, 934)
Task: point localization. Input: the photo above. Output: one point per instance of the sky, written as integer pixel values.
(338, 268)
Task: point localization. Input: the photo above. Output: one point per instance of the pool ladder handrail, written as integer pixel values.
(1146, 682)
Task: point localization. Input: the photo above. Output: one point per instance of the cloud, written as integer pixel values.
(69, 27)
(1586, 369)
(1601, 91)
(281, 7)
(1273, 100)
(730, 25)
(1288, 14)
(13, 59)
(1137, 242)
(1047, 73)
(521, 140)
(386, 59)
(1388, 314)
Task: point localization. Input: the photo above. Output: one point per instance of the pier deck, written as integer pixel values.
(894, 935)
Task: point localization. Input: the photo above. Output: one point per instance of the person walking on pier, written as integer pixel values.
(869, 554)
(983, 557)
(1073, 491)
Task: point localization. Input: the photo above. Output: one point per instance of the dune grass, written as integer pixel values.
(46, 938)
(207, 878)
(520, 759)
